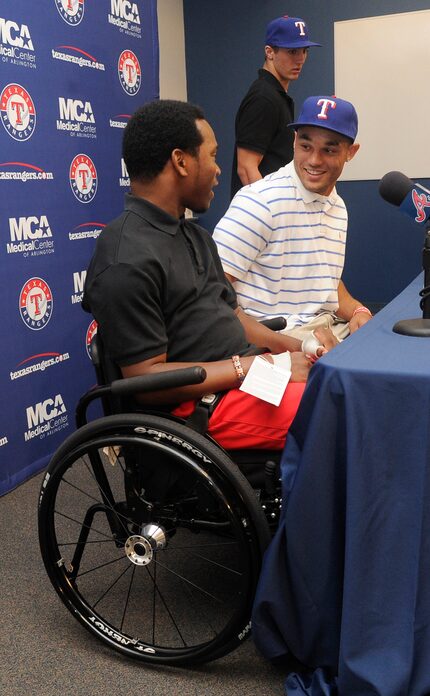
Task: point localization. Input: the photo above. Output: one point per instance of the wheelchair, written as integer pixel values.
(151, 534)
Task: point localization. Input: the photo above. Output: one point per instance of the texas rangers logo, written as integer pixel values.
(421, 202)
(83, 178)
(324, 104)
(71, 11)
(129, 72)
(301, 27)
(91, 331)
(35, 303)
(17, 112)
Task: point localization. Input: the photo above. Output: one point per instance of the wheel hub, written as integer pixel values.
(140, 548)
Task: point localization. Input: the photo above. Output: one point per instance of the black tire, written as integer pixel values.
(187, 603)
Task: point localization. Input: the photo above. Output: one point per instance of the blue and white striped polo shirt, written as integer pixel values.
(286, 247)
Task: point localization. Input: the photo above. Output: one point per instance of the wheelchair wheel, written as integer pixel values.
(152, 538)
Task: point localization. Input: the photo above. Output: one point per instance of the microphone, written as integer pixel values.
(412, 199)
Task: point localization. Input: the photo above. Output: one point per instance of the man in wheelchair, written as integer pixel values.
(156, 287)
(149, 531)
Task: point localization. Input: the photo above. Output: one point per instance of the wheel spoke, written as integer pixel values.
(127, 597)
(101, 565)
(160, 594)
(220, 565)
(85, 526)
(77, 543)
(205, 546)
(187, 581)
(154, 583)
(119, 515)
(111, 586)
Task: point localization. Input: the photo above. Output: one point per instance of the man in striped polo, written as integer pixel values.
(282, 240)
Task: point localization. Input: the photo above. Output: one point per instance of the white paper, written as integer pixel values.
(266, 381)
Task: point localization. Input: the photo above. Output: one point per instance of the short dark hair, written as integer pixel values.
(154, 131)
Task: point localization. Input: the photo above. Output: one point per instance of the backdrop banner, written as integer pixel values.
(71, 73)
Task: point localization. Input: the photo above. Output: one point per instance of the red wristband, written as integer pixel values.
(363, 309)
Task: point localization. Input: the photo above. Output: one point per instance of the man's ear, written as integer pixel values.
(179, 162)
(268, 51)
(352, 151)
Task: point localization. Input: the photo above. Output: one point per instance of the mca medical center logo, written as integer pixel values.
(30, 236)
(78, 286)
(124, 179)
(46, 417)
(17, 112)
(16, 45)
(76, 118)
(129, 72)
(83, 178)
(125, 16)
(35, 303)
(71, 11)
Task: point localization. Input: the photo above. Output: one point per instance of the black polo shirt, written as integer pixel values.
(156, 285)
(262, 126)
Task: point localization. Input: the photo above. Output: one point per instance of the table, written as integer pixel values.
(345, 585)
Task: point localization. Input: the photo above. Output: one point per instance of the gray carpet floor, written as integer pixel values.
(45, 652)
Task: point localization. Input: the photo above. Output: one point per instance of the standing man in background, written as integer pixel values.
(263, 141)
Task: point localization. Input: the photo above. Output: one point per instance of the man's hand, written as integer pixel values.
(358, 320)
(300, 366)
(247, 165)
(327, 340)
(351, 309)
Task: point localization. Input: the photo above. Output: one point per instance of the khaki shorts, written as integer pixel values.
(325, 320)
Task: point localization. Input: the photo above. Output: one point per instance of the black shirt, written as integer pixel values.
(262, 126)
(156, 285)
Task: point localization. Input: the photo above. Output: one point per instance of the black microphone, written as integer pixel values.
(412, 199)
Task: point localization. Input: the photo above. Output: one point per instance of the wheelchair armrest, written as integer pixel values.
(275, 323)
(143, 383)
(163, 380)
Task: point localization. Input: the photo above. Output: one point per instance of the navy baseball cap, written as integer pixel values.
(288, 32)
(329, 112)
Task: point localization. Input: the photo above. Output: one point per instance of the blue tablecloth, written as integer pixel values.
(345, 585)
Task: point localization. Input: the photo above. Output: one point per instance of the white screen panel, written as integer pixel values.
(382, 65)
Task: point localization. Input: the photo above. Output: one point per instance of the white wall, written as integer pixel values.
(382, 64)
(173, 79)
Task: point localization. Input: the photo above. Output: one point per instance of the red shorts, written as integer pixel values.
(241, 421)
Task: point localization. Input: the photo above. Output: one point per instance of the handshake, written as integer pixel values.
(312, 347)
(318, 343)
(299, 360)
